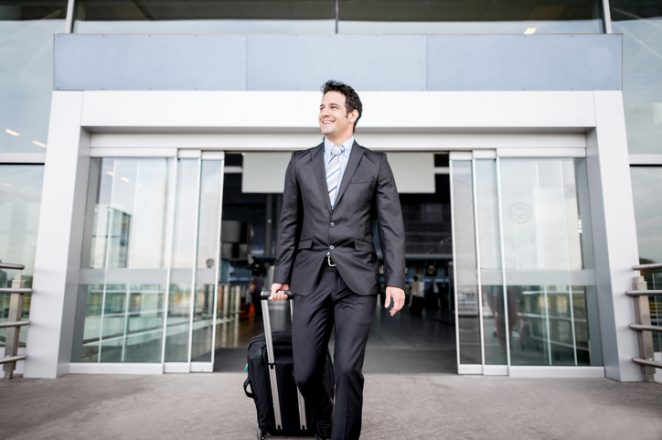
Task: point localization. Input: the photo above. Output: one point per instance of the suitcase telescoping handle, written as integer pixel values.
(266, 294)
(271, 360)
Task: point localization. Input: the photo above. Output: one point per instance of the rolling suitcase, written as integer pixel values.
(281, 409)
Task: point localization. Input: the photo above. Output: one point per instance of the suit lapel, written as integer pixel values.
(317, 158)
(352, 163)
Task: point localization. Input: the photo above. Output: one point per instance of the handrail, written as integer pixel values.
(15, 290)
(645, 267)
(12, 266)
(643, 326)
(15, 322)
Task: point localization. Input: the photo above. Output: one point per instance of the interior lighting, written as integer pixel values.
(125, 179)
(530, 31)
(8, 185)
(110, 173)
(11, 132)
(39, 144)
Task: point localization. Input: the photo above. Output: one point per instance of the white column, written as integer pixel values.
(55, 285)
(614, 234)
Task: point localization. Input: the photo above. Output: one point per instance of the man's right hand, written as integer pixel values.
(276, 291)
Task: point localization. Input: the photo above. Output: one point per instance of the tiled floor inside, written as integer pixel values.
(404, 343)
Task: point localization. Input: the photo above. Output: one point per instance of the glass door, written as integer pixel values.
(525, 288)
(194, 270)
(477, 252)
(150, 266)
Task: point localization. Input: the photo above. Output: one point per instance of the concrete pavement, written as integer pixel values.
(213, 406)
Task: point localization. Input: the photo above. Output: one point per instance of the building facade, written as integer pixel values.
(126, 124)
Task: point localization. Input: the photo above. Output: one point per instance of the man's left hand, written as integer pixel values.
(398, 296)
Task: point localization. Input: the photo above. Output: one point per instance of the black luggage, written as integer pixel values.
(270, 373)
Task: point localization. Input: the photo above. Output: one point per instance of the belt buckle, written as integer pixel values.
(329, 261)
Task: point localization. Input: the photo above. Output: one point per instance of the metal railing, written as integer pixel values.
(14, 319)
(643, 326)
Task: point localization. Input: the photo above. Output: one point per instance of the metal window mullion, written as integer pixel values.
(606, 17)
(474, 190)
(69, 22)
(218, 264)
(453, 242)
(337, 15)
(503, 263)
(169, 251)
(196, 219)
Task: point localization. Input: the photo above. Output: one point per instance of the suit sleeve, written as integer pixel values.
(391, 227)
(289, 226)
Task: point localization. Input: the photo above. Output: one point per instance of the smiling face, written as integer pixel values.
(335, 122)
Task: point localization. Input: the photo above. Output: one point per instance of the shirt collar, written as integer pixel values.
(347, 144)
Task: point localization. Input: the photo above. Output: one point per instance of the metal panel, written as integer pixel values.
(413, 172)
(264, 172)
(524, 62)
(372, 62)
(368, 62)
(149, 62)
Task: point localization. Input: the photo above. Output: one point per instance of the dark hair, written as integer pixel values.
(352, 100)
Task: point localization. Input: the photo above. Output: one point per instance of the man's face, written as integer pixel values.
(335, 122)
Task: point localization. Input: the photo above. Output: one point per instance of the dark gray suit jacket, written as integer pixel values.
(309, 228)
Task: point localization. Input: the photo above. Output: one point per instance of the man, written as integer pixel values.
(326, 257)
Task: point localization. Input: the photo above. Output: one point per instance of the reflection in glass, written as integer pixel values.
(543, 243)
(646, 182)
(491, 277)
(641, 26)
(239, 16)
(20, 198)
(207, 260)
(123, 268)
(183, 261)
(466, 284)
(26, 46)
(469, 16)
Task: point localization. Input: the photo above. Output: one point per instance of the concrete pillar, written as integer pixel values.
(614, 234)
(57, 259)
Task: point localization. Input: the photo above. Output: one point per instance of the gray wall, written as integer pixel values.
(368, 62)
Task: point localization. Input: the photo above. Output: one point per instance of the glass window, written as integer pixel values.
(546, 238)
(26, 46)
(206, 16)
(641, 26)
(124, 266)
(20, 198)
(646, 182)
(466, 282)
(470, 16)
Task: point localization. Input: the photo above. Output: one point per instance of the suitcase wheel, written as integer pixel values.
(261, 435)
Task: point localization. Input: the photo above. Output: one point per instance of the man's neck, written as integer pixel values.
(339, 140)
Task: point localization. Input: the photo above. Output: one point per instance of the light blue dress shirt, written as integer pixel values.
(344, 156)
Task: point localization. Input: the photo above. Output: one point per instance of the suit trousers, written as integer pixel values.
(315, 314)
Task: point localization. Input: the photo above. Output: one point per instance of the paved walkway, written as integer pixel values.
(213, 406)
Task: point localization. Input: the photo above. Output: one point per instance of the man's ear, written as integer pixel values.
(353, 116)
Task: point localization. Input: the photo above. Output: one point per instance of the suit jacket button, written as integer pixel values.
(331, 247)
(332, 224)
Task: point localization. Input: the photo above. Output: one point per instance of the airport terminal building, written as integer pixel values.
(144, 145)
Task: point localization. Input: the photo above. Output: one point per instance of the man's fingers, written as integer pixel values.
(398, 303)
(387, 301)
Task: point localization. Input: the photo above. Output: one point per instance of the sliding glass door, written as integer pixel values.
(525, 290)
(151, 247)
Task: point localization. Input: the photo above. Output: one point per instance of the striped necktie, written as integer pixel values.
(333, 172)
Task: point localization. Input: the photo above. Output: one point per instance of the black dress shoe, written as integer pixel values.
(319, 437)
